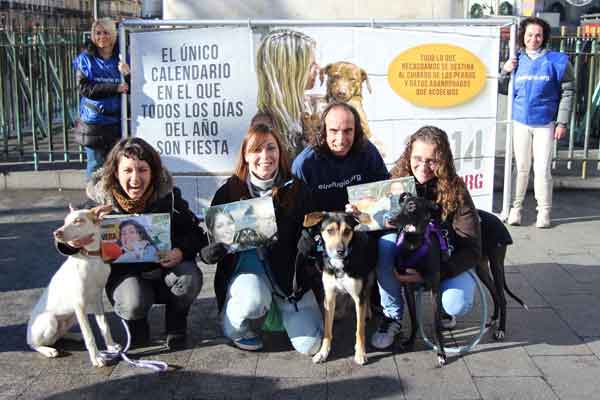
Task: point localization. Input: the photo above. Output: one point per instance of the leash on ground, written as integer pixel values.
(112, 357)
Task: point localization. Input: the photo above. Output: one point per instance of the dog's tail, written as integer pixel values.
(515, 297)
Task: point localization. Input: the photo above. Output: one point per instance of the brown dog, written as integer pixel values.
(344, 83)
(348, 267)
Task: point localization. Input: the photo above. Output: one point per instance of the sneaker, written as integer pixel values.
(514, 216)
(386, 333)
(250, 341)
(543, 219)
(448, 321)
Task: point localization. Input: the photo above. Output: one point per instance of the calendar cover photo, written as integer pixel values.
(380, 200)
(135, 238)
(242, 225)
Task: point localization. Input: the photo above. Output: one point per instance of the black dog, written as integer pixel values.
(420, 246)
(413, 221)
(347, 266)
(494, 240)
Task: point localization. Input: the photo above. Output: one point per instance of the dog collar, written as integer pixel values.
(93, 253)
(431, 229)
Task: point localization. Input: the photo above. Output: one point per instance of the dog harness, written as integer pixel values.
(432, 229)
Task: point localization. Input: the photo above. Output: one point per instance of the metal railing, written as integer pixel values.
(577, 148)
(38, 96)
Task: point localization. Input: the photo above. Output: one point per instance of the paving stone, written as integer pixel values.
(572, 377)
(139, 387)
(517, 388)
(576, 311)
(500, 359)
(422, 378)
(12, 386)
(288, 364)
(57, 385)
(290, 388)
(550, 279)
(218, 385)
(594, 344)
(365, 387)
(350, 380)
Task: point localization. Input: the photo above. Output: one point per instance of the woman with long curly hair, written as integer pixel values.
(428, 158)
(285, 69)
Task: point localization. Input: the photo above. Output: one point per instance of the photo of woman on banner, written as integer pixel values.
(220, 224)
(285, 69)
(135, 243)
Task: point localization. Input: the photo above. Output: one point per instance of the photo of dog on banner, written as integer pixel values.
(310, 219)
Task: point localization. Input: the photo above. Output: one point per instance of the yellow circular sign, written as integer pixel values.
(437, 75)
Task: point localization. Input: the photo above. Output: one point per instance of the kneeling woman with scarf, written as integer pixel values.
(249, 283)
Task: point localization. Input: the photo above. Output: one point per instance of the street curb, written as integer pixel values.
(61, 179)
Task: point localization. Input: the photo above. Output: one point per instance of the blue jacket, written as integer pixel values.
(328, 176)
(537, 88)
(100, 102)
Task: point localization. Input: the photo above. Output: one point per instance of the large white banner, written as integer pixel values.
(436, 63)
(193, 95)
(194, 91)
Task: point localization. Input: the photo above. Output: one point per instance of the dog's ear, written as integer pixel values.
(71, 208)
(403, 197)
(363, 218)
(322, 72)
(365, 78)
(100, 211)
(435, 209)
(313, 218)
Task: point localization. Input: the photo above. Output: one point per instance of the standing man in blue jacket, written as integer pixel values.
(542, 103)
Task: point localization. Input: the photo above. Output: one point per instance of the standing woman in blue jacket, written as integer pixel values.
(98, 73)
(542, 103)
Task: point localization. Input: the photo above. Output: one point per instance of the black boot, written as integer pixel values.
(139, 331)
(176, 324)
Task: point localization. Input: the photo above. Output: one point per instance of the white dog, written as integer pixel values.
(74, 291)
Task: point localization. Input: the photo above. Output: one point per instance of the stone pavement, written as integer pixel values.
(551, 351)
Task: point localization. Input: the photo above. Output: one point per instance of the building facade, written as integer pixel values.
(70, 14)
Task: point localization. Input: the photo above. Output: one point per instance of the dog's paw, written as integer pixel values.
(499, 335)
(46, 351)
(321, 356)
(441, 360)
(116, 347)
(360, 358)
(98, 361)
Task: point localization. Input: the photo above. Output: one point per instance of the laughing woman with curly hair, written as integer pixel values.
(428, 158)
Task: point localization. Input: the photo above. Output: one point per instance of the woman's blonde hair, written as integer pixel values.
(107, 24)
(283, 62)
(450, 189)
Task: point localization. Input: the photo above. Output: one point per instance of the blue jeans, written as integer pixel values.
(249, 296)
(95, 159)
(457, 292)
